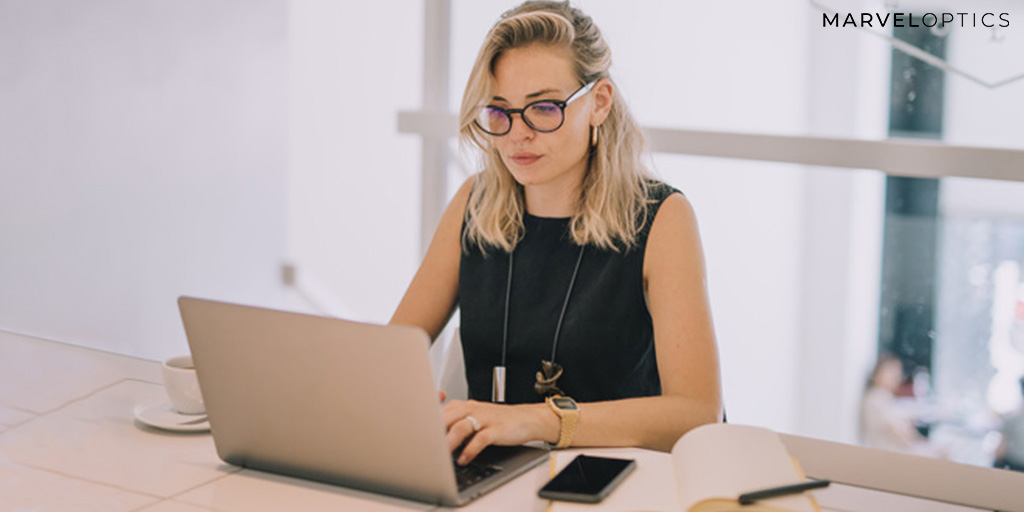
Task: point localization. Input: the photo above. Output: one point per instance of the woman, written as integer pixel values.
(576, 274)
(883, 423)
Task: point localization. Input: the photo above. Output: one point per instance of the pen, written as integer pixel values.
(750, 497)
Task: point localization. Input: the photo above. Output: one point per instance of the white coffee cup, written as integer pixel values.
(182, 385)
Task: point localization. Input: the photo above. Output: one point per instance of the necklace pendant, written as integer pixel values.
(498, 385)
(547, 378)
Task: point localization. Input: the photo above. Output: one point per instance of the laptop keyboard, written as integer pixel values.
(473, 473)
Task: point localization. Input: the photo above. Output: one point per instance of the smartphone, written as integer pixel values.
(587, 479)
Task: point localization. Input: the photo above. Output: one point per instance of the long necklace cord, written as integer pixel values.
(565, 305)
(548, 377)
(498, 373)
(508, 294)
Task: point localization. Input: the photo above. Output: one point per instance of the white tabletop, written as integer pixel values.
(69, 441)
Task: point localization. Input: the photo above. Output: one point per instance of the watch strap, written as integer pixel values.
(568, 419)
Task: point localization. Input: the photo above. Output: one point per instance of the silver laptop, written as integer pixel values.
(342, 402)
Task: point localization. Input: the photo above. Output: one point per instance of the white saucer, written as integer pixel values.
(161, 415)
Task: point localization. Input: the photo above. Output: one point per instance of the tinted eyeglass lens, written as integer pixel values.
(544, 116)
(494, 120)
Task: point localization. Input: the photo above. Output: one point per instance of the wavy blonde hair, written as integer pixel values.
(613, 195)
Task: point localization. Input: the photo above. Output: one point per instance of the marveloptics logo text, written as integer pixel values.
(903, 19)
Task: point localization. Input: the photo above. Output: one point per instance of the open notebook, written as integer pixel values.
(716, 463)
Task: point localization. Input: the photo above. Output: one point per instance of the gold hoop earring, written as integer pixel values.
(593, 134)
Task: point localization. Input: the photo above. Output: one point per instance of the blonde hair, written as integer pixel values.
(613, 195)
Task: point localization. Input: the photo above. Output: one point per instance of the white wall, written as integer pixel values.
(353, 198)
(159, 148)
(143, 157)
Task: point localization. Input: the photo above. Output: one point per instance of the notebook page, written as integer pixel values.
(721, 461)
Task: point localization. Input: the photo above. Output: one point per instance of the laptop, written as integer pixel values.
(335, 401)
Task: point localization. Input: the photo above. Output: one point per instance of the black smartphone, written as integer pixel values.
(587, 479)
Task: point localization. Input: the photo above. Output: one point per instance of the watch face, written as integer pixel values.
(564, 403)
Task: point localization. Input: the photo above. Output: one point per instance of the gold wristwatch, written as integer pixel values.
(568, 413)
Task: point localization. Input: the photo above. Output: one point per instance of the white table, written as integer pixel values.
(69, 442)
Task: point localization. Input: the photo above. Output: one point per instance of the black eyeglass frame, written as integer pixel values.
(558, 103)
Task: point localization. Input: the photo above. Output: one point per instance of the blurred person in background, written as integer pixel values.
(1010, 454)
(884, 424)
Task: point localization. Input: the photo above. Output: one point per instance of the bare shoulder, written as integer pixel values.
(674, 217)
(674, 238)
(462, 194)
(453, 214)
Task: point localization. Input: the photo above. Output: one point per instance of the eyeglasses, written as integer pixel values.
(543, 116)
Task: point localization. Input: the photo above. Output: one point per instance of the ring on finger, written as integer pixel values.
(475, 422)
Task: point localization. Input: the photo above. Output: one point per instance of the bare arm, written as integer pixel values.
(684, 341)
(430, 300)
(686, 352)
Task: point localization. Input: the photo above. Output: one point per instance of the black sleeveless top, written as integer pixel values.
(606, 344)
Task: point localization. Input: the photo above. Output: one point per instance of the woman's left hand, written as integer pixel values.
(480, 424)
